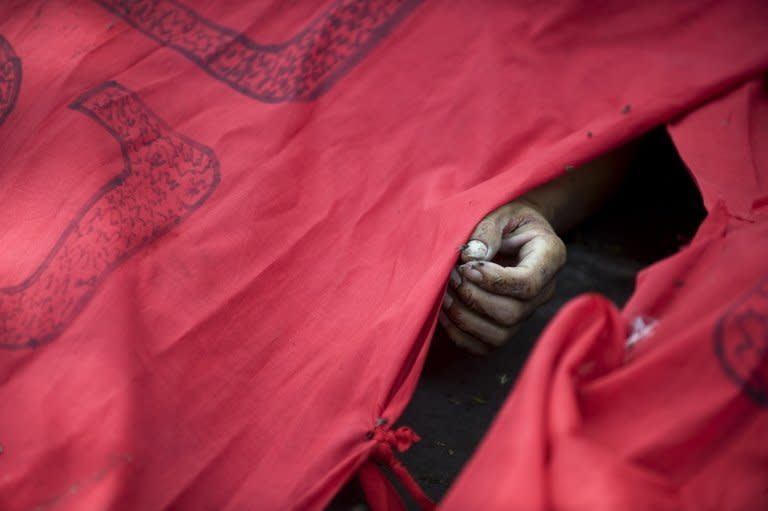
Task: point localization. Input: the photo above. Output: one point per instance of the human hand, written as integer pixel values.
(508, 270)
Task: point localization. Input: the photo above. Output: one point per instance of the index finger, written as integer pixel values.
(541, 258)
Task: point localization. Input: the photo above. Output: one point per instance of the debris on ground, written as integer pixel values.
(479, 400)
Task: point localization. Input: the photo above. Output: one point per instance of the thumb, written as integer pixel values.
(486, 238)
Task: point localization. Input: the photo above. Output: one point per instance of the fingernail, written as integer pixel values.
(455, 278)
(476, 249)
(447, 301)
(471, 273)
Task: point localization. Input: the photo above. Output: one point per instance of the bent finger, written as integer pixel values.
(504, 310)
(512, 281)
(541, 259)
(459, 338)
(474, 324)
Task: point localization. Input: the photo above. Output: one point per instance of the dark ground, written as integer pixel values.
(656, 211)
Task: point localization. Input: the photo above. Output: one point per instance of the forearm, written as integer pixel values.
(571, 198)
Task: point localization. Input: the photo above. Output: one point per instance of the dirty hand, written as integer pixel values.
(508, 270)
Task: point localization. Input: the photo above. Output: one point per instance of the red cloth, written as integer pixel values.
(226, 225)
(672, 412)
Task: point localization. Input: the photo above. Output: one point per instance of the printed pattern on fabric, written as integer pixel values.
(741, 343)
(300, 69)
(10, 78)
(165, 178)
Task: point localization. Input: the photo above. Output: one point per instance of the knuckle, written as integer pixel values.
(522, 286)
(528, 288)
(560, 251)
(451, 332)
(465, 292)
(471, 299)
(485, 227)
(511, 316)
(456, 316)
(497, 338)
(487, 222)
(498, 283)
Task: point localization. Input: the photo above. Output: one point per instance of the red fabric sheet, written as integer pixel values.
(226, 225)
(672, 412)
